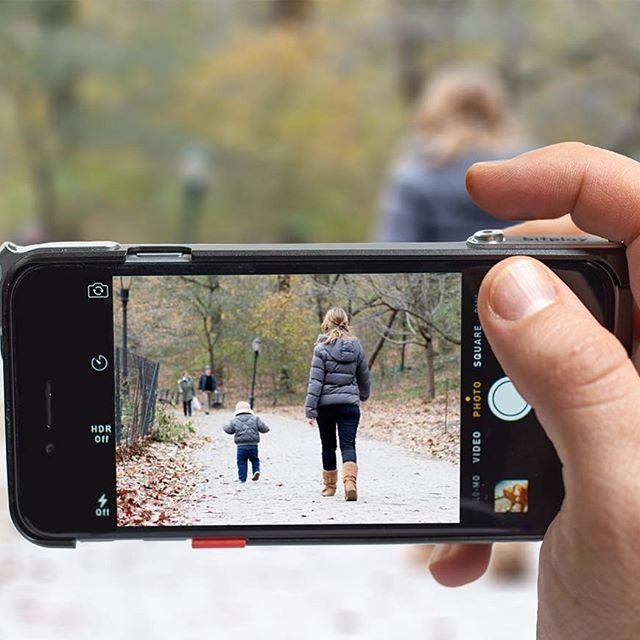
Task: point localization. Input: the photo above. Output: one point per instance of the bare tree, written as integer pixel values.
(204, 294)
(427, 304)
(45, 111)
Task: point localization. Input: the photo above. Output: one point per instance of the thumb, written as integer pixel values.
(575, 374)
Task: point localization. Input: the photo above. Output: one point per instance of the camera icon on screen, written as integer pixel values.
(98, 290)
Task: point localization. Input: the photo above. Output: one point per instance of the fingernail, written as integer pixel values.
(490, 163)
(440, 553)
(522, 289)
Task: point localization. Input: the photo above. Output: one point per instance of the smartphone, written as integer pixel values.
(124, 365)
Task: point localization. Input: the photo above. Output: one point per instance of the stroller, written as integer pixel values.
(217, 399)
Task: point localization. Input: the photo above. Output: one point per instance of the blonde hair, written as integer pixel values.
(335, 326)
(463, 109)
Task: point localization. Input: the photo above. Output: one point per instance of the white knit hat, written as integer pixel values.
(243, 407)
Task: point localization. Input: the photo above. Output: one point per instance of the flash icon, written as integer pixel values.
(101, 510)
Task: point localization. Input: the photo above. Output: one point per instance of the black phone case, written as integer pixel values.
(486, 245)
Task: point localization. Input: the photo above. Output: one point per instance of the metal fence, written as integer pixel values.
(169, 396)
(135, 397)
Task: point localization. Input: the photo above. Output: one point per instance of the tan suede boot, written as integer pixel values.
(330, 479)
(349, 476)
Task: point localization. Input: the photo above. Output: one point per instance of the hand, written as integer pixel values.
(579, 379)
(311, 422)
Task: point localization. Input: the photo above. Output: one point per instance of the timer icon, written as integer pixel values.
(99, 363)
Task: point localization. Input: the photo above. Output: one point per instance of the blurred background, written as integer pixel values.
(273, 120)
(270, 120)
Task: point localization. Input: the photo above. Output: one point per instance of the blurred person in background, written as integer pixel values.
(462, 117)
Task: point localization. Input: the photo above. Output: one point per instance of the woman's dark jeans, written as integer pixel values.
(186, 407)
(346, 417)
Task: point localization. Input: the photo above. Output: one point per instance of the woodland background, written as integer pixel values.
(409, 325)
(273, 119)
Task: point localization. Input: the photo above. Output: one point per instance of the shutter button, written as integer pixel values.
(487, 236)
(505, 402)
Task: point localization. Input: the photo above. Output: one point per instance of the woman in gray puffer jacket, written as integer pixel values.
(338, 381)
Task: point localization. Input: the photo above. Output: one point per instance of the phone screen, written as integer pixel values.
(172, 401)
(202, 350)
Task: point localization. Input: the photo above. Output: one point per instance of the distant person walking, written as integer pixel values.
(338, 381)
(207, 384)
(246, 428)
(462, 118)
(187, 391)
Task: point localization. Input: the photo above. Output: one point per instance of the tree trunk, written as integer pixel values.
(383, 338)
(410, 40)
(47, 138)
(39, 163)
(291, 12)
(430, 383)
(320, 298)
(213, 324)
(45, 194)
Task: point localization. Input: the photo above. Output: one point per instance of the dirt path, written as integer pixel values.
(394, 485)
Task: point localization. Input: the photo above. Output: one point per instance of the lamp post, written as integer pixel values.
(125, 286)
(255, 344)
(194, 171)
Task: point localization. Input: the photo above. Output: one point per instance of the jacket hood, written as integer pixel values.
(344, 350)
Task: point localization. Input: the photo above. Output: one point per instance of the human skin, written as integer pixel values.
(581, 382)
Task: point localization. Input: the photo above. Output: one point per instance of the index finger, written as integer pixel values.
(599, 188)
(563, 226)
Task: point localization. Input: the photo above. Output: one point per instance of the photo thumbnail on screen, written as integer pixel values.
(288, 399)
